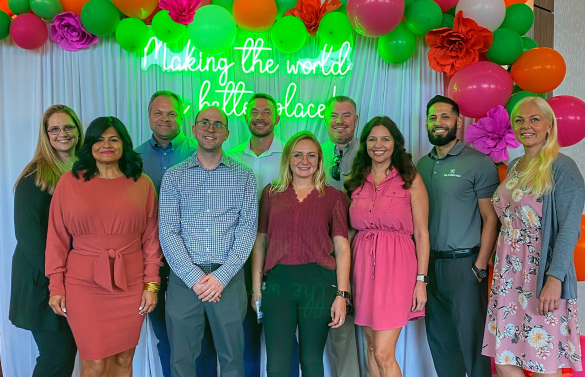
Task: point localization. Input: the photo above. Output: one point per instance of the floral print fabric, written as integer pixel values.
(515, 334)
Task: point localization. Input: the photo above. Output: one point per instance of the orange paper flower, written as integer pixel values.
(453, 49)
(312, 11)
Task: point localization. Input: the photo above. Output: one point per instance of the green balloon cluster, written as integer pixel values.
(397, 46)
(448, 20)
(46, 9)
(289, 34)
(227, 4)
(518, 96)
(165, 29)
(5, 21)
(528, 44)
(422, 16)
(19, 6)
(132, 35)
(506, 48)
(213, 30)
(100, 17)
(283, 5)
(334, 30)
(519, 17)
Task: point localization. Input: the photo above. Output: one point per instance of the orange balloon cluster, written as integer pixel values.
(539, 70)
(4, 7)
(579, 257)
(254, 15)
(510, 2)
(73, 5)
(136, 8)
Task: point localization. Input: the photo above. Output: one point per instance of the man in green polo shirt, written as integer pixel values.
(462, 227)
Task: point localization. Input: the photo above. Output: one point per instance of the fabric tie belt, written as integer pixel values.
(371, 235)
(102, 271)
(454, 254)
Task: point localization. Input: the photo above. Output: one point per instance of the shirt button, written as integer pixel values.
(394, 193)
(208, 191)
(434, 172)
(378, 189)
(207, 230)
(206, 249)
(207, 211)
(165, 167)
(165, 154)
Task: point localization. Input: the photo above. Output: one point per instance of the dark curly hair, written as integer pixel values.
(130, 163)
(362, 162)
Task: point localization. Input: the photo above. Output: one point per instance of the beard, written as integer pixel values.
(439, 141)
(261, 133)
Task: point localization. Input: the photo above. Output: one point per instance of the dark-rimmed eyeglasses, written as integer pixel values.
(57, 130)
(335, 173)
(203, 125)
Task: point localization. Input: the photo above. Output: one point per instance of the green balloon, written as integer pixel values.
(283, 5)
(528, 44)
(343, 7)
(422, 16)
(132, 35)
(227, 4)
(19, 6)
(165, 29)
(397, 46)
(517, 97)
(519, 17)
(407, 3)
(5, 21)
(46, 9)
(289, 34)
(100, 17)
(213, 30)
(452, 11)
(506, 48)
(448, 20)
(334, 29)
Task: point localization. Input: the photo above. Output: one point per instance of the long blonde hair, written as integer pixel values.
(539, 168)
(285, 176)
(46, 163)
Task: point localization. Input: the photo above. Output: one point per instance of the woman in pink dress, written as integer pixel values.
(389, 206)
(532, 312)
(102, 253)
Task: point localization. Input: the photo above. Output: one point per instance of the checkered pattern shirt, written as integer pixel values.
(207, 217)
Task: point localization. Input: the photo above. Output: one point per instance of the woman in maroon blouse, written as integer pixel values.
(303, 250)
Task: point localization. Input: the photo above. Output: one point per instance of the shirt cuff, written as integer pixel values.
(192, 277)
(56, 285)
(222, 275)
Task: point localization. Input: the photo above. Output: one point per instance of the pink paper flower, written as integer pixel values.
(68, 32)
(493, 134)
(180, 11)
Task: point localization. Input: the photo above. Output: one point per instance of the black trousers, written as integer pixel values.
(297, 295)
(57, 352)
(455, 318)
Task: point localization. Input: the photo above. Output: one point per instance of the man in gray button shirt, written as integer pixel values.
(462, 227)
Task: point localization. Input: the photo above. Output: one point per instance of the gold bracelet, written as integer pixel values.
(152, 287)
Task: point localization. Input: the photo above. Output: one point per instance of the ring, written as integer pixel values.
(341, 320)
(211, 295)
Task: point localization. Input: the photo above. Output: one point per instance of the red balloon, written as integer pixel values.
(539, 70)
(480, 87)
(570, 114)
(374, 18)
(28, 31)
(446, 4)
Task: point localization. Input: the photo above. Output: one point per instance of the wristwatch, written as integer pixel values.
(343, 294)
(423, 278)
(482, 274)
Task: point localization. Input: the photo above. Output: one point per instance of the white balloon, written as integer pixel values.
(487, 13)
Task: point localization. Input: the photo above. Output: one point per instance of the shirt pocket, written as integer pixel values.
(393, 198)
(362, 198)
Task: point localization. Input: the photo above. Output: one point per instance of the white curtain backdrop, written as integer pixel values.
(106, 80)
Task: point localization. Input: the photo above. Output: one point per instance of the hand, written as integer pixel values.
(57, 303)
(338, 312)
(550, 296)
(211, 290)
(255, 297)
(480, 267)
(149, 300)
(199, 287)
(419, 298)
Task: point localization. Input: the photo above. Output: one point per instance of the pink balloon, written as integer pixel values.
(480, 87)
(446, 4)
(374, 18)
(28, 31)
(570, 114)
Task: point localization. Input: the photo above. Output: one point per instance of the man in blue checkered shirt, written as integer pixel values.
(208, 218)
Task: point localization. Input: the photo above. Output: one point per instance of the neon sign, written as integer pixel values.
(329, 63)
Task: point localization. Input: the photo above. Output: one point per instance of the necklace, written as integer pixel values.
(302, 188)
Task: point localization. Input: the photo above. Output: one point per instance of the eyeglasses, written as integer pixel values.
(335, 174)
(203, 125)
(57, 130)
(298, 157)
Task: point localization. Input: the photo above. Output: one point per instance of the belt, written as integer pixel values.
(208, 268)
(454, 254)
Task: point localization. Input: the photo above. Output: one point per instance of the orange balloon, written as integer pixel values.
(502, 170)
(539, 70)
(510, 2)
(255, 15)
(4, 7)
(136, 8)
(73, 5)
(579, 257)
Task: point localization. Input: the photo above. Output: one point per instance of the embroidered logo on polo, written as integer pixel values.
(452, 174)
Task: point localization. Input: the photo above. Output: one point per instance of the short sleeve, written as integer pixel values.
(339, 220)
(487, 179)
(264, 210)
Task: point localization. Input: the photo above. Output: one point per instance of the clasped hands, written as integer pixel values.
(208, 288)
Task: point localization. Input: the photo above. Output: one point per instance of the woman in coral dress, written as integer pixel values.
(389, 206)
(532, 319)
(103, 253)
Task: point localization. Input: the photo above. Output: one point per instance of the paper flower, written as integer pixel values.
(493, 134)
(312, 11)
(180, 11)
(453, 49)
(68, 32)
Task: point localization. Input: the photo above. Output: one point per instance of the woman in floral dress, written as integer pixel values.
(532, 313)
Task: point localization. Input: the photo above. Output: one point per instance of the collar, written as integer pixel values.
(172, 144)
(457, 149)
(345, 149)
(275, 147)
(390, 175)
(193, 161)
